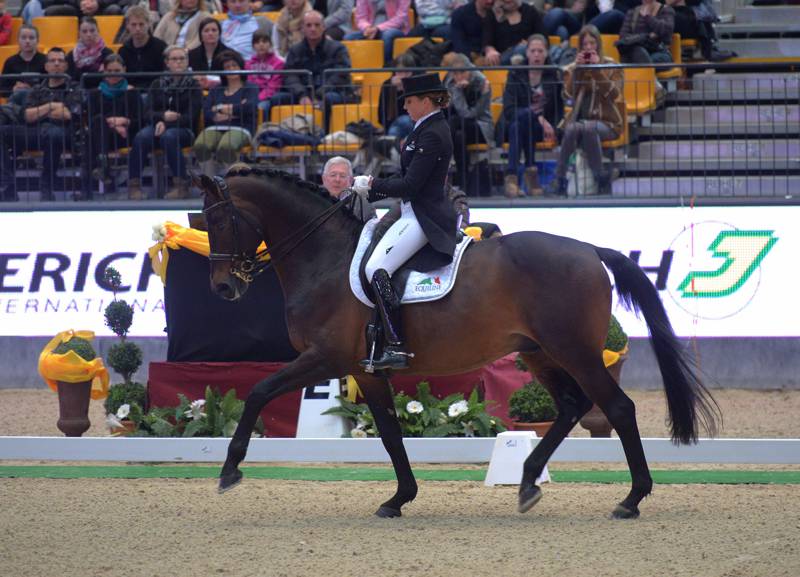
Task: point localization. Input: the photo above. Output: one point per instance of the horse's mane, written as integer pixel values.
(259, 171)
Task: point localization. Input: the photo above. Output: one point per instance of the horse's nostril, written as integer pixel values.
(224, 290)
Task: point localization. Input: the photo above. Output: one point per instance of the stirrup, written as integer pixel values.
(393, 358)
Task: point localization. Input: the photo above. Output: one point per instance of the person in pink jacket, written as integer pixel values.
(381, 20)
(264, 59)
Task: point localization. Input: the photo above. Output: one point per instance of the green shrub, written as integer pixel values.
(82, 347)
(532, 403)
(125, 358)
(119, 317)
(125, 394)
(616, 338)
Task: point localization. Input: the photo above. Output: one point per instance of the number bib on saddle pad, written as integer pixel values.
(420, 286)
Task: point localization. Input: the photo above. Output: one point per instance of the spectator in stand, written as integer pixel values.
(567, 17)
(230, 112)
(113, 112)
(202, 57)
(89, 54)
(171, 122)
(288, 29)
(338, 15)
(391, 104)
(433, 18)
(237, 30)
(508, 26)
(37, 8)
(532, 108)
(646, 33)
(180, 26)
(141, 52)
(466, 28)
(5, 24)
(316, 53)
(696, 21)
(598, 111)
(470, 115)
(265, 60)
(27, 61)
(46, 126)
(381, 20)
(337, 179)
(166, 6)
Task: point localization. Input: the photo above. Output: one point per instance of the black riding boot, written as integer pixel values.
(394, 356)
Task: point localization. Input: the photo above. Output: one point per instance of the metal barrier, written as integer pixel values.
(714, 131)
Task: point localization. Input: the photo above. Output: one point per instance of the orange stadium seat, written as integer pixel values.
(405, 42)
(57, 30)
(672, 74)
(371, 86)
(108, 27)
(341, 116)
(640, 90)
(273, 15)
(7, 52)
(16, 24)
(364, 54)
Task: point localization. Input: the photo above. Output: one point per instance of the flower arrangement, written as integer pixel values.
(69, 357)
(214, 416)
(426, 416)
(126, 400)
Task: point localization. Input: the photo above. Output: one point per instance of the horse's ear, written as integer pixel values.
(206, 185)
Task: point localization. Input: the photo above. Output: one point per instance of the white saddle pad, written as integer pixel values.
(421, 286)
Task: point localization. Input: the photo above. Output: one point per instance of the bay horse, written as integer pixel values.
(544, 296)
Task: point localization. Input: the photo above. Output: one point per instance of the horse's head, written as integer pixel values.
(233, 238)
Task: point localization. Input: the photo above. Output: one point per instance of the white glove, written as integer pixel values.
(361, 184)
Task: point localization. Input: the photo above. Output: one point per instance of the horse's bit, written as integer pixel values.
(246, 267)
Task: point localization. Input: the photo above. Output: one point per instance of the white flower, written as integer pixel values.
(112, 421)
(195, 410)
(123, 411)
(458, 408)
(358, 433)
(414, 407)
(159, 232)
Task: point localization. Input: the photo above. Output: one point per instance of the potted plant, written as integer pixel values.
(615, 353)
(70, 366)
(126, 401)
(531, 407)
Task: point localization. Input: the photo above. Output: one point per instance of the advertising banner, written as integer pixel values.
(720, 271)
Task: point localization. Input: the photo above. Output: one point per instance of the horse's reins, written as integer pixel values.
(247, 267)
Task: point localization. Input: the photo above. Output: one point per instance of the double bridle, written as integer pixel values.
(246, 267)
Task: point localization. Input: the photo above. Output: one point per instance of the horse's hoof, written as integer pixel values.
(385, 512)
(229, 481)
(623, 512)
(528, 498)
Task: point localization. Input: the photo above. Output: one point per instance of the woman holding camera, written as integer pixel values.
(597, 113)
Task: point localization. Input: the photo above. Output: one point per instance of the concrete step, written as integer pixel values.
(764, 129)
(637, 165)
(768, 14)
(766, 30)
(788, 48)
(761, 82)
(755, 114)
(740, 150)
(715, 186)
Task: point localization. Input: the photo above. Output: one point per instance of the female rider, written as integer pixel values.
(427, 215)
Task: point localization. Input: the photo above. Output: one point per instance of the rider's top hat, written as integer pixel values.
(422, 84)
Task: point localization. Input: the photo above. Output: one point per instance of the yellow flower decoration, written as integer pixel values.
(70, 367)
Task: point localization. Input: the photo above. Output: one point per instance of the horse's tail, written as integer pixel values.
(688, 399)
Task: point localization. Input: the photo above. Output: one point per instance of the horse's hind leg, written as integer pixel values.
(605, 392)
(308, 368)
(572, 404)
(379, 399)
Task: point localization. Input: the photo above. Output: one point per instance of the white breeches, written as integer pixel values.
(401, 241)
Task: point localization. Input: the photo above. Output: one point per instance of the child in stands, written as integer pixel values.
(265, 59)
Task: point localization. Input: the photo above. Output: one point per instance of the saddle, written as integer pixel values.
(410, 283)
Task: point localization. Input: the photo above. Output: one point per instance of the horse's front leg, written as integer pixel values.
(378, 395)
(308, 368)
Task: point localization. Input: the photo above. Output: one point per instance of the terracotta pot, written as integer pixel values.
(128, 428)
(595, 420)
(541, 427)
(73, 408)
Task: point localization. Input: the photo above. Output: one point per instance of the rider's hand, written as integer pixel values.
(362, 184)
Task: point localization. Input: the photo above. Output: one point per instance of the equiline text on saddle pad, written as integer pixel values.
(420, 286)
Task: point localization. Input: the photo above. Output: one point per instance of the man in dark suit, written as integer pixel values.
(427, 215)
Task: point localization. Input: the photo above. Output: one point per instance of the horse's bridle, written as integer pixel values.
(246, 267)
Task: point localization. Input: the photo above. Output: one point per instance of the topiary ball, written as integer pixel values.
(119, 317)
(616, 338)
(125, 357)
(82, 348)
(125, 393)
